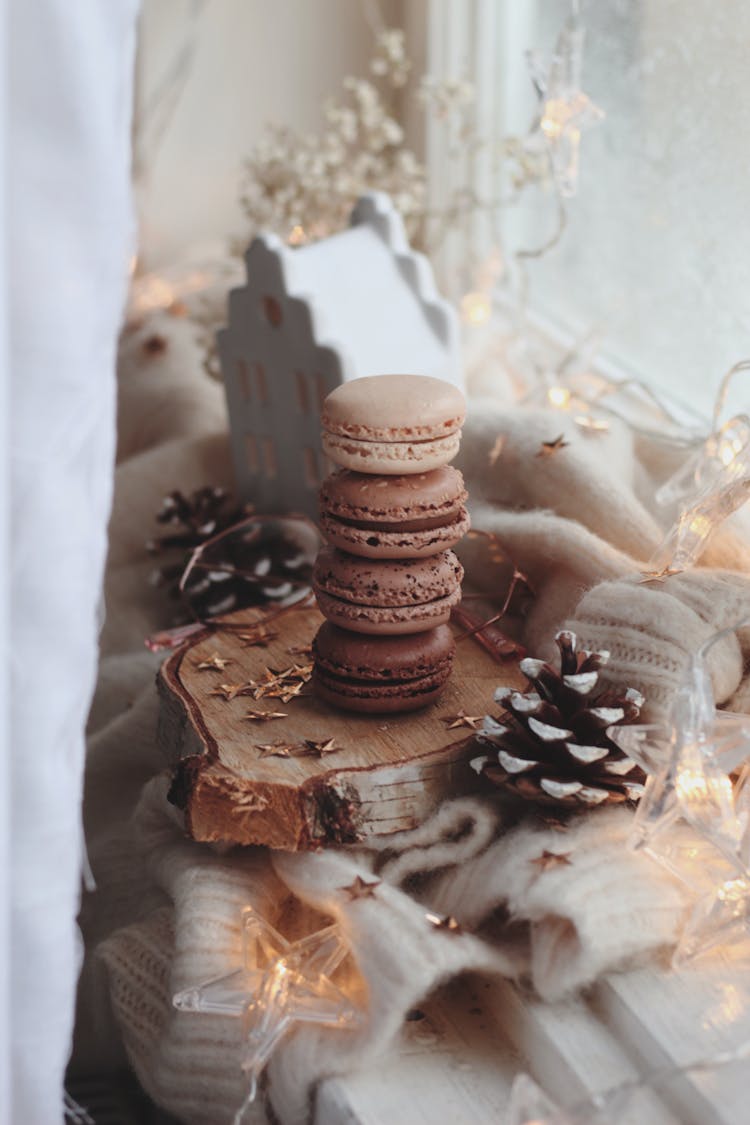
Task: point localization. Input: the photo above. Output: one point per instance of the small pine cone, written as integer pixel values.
(551, 742)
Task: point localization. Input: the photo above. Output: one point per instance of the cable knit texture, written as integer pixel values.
(581, 523)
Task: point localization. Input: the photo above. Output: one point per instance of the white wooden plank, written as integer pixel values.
(568, 1050)
(458, 1064)
(667, 1019)
(449, 1068)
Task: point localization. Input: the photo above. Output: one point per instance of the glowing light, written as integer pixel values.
(701, 525)
(733, 891)
(565, 110)
(153, 292)
(297, 236)
(694, 787)
(476, 308)
(559, 397)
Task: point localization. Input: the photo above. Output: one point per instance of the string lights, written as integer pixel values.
(694, 816)
(712, 484)
(279, 983)
(565, 110)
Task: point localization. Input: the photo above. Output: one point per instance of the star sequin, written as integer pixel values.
(547, 861)
(254, 716)
(497, 448)
(360, 888)
(547, 448)
(275, 749)
(231, 691)
(259, 636)
(214, 663)
(319, 748)
(444, 922)
(662, 575)
(462, 720)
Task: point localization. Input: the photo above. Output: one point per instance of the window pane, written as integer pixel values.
(657, 250)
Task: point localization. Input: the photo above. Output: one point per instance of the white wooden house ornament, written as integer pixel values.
(361, 302)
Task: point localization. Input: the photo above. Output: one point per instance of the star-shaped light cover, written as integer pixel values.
(694, 816)
(565, 110)
(711, 485)
(279, 983)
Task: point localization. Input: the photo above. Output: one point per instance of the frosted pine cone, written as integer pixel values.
(551, 745)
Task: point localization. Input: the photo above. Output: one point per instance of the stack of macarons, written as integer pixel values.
(391, 514)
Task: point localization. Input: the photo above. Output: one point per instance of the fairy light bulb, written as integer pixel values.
(475, 308)
(559, 397)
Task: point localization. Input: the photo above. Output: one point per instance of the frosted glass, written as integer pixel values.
(657, 251)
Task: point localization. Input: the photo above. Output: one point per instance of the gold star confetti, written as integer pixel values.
(214, 663)
(284, 691)
(300, 650)
(461, 720)
(274, 749)
(324, 746)
(548, 860)
(360, 888)
(496, 449)
(299, 672)
(230, 691)
(553, 822)
(658, 575)
(254, 716)
(444, 922)
(258, 636)
(549, 447)
(284, 685)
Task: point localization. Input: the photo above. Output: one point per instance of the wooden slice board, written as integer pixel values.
(389, 774)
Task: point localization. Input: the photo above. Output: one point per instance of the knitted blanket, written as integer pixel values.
(582, 525)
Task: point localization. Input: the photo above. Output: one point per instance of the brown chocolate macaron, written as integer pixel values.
(387, 596)
(395, 517)
(381, 674)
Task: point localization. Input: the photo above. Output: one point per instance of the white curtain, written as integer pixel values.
(66, 239)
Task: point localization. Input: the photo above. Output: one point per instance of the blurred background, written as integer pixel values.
(650, 270)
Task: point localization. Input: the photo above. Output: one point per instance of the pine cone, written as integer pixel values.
(552, 742)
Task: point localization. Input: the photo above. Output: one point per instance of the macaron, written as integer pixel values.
(393, 424)
(394, 517)
(386, 597)
(381, 674)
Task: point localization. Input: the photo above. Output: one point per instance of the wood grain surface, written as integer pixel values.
(387, 774)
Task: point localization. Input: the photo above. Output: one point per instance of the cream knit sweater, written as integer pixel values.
(581, 524)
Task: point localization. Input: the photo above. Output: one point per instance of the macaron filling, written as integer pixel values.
(404, 689)
(377, 543)
(392, 450)
(426, 524)
(384, 620)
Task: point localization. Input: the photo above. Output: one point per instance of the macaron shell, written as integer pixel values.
(390, 458)
(379, 701)
(387, 620)
(394, 408)
(383, 660)
(386, 582)
(372, 544)
(394, 499)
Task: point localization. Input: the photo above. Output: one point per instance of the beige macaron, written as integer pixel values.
(393, 424)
